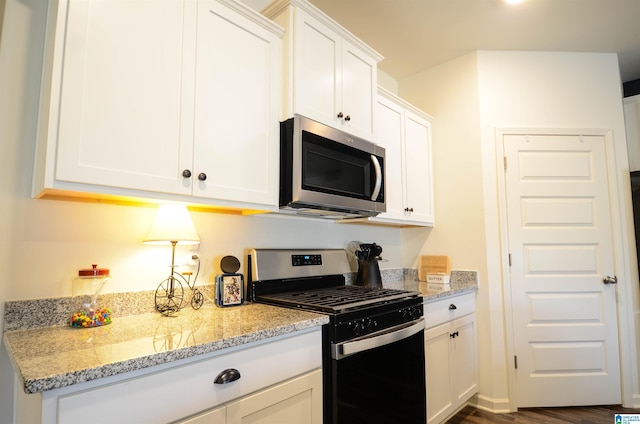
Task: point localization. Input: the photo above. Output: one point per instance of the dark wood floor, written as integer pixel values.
(573, 415)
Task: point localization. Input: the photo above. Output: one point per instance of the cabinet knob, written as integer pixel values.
(408, 209)
(452, 307)
(340, 115)
(454, 335)
(347, 118)
(227, 376)
(186, 173)
(202, 176)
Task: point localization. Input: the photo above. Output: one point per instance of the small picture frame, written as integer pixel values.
(229, 289)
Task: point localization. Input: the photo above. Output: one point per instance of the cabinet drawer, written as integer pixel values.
(174, 393)
(442, 310)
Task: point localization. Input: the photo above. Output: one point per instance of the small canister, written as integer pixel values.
(91, 296)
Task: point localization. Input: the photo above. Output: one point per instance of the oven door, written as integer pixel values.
(380, 378)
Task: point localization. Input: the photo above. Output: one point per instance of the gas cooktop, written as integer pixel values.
(337, 299)
(312, 280)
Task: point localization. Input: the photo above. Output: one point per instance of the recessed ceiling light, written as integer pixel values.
(514, 1)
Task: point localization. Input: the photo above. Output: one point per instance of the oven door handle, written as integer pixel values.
(381, 338)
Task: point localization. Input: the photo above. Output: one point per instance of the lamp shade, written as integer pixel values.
(172, 224)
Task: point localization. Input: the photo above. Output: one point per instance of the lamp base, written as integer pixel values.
(169, 296)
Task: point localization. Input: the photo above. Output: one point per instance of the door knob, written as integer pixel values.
(610, 280)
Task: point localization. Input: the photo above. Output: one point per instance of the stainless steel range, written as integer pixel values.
(373, 346)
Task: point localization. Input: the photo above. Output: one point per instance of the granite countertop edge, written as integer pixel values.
(36, 381)
(39, 378)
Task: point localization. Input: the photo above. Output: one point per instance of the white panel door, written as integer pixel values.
(559, 233)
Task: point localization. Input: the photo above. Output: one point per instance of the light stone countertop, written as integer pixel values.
(54, 357)
(461, 282)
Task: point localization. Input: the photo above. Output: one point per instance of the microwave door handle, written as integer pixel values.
(378, 169)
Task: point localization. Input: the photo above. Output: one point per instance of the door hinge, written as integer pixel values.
(505, 163)
(509, 259)
(515, 360)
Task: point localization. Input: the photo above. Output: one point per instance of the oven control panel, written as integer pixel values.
(305, 260)
(378, 319)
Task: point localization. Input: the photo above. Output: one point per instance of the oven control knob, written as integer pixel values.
(406, 314)
(368, 325)
(416, 312)
(358, 328)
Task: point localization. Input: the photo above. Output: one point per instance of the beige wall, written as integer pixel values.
(450, 93)
(470, 97)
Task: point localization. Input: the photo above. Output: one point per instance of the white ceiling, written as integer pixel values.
(414, 35)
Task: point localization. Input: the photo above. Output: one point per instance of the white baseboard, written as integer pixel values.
(635, 401)
(496, 406)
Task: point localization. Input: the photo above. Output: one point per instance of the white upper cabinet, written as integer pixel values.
(405, 133)
(137, 95)
(237, 98)
(632, 125)
(117, 94)
(330, 75)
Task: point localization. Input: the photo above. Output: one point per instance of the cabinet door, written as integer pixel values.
(215, 416)
(334, 81)
(464, 354)
(439, 369)
(295, 401)
(317, 79)
(359, 81)
(121, 94)
(236, 108)
(417, 165)
(389, 134)
(632, 126)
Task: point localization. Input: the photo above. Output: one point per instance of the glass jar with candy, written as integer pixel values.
(91, 298)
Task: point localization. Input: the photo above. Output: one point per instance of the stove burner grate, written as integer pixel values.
(337, 299)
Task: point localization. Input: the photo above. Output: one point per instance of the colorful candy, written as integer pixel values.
(91, 319)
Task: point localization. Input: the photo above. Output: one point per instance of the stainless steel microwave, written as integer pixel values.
(328, 173)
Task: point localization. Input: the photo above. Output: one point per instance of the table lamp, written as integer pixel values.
(173, 225)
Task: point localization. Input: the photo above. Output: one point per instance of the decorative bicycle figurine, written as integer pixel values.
(169, 297)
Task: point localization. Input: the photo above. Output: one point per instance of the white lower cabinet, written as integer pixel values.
(280, 381)
(296, 401)
(450, 355)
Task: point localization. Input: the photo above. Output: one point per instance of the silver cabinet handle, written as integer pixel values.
(378, 169)
(610, 280)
